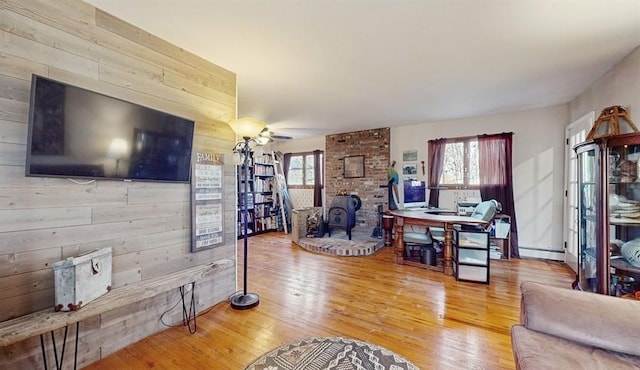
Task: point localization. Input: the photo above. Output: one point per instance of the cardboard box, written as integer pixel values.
(79, 280)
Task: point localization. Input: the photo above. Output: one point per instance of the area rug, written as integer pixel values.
(331, 354)
(338, 244)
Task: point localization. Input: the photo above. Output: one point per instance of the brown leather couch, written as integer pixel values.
(567, 329)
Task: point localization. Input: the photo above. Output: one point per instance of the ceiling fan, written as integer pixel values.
(270, 135)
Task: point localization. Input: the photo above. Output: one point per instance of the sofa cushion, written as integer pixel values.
(535, 350)
(592, 319)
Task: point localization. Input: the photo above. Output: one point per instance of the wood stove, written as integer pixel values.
(342, 213)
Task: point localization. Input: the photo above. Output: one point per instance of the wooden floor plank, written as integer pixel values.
(428, 318)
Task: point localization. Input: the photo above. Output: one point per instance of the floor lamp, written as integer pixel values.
(249, 130)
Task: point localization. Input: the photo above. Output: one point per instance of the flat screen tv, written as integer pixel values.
(77, 133)
(414, 194)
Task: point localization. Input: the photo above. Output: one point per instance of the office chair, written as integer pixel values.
(484, 211)
(419, 241)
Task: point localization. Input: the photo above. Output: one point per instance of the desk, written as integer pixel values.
(406, 217)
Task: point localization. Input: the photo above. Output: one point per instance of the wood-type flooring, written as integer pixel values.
(430, 319)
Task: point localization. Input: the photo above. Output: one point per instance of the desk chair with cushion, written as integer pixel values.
(419, 241)
(484, 211)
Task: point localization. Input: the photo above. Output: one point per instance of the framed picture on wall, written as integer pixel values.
(410, 169)
(354, 166)
(409, 155)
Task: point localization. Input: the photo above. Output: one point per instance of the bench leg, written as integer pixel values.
(191, 313)
(60, 360)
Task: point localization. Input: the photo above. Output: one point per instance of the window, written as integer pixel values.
(301, 172)
(461, 168)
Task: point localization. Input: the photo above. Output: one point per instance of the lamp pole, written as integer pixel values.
(245, 300)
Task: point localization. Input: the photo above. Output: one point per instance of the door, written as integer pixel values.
(574, 134)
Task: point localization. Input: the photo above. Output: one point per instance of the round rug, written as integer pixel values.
(330, 353)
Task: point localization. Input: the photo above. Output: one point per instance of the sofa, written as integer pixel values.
(562, 328)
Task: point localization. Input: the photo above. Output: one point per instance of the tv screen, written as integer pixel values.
(79, 133)
(414, 194)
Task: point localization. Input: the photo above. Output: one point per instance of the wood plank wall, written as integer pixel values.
(43, 220)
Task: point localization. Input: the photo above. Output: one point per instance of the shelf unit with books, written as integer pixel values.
(261, 215)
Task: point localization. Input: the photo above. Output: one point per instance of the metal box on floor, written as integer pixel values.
(79, 280)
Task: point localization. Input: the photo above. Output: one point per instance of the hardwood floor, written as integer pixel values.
(428, 318)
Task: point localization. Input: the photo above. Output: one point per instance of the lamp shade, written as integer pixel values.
(118, 148)
(247, 127)
(612, 121)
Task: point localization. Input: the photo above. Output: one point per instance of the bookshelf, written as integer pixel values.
(261, 216)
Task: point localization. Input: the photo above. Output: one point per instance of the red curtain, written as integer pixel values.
(496, 177)
(436, 162)
(317, 186)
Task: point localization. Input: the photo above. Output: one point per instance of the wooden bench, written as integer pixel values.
(41, 322)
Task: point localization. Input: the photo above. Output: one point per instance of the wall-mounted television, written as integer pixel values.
(77, 133)
(414, 194)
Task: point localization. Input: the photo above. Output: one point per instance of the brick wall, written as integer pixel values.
(374, 145)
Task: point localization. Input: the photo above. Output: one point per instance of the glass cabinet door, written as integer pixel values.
(623, 249)
(588, 277)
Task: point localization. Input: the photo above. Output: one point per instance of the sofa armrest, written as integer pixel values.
(592, 319)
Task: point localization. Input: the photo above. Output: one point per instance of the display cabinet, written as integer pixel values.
(471, 255)
(609, 215)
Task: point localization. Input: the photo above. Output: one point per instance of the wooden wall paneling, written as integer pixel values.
(14, 88)
(217, 253)
(17, 305)
(170, 237)
(24, 48)
(177, 81)
(127, 263)
(118, 245)
(53, 196)
(13, 132)
(157, 194)
(72, 16)
(138, 211)
(19, 284)
(44, 218)
(11, 65)
(146, 224)
(48, 35)
(217, 135)
(12, 154)
(130, 32)
(20, 241)
(13, 110)
(22, 262)
(163, 260)
(126, 277)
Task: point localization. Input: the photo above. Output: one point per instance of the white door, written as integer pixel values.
(575, 134)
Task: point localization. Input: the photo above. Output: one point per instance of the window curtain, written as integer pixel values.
(496, 177)
(286, 159)
(317, 184)
(436, 162)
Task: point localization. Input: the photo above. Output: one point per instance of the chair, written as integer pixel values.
(484, 211)
(421, 242)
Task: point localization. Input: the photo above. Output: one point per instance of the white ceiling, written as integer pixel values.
(316, 67)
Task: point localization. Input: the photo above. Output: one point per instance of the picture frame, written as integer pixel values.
(410, 169)
(409, 155)
(354, 166)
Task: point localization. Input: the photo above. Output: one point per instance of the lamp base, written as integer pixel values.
(245, 301)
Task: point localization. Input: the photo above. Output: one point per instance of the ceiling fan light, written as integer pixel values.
(247, 127)
(262, 140)
(265, 133)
